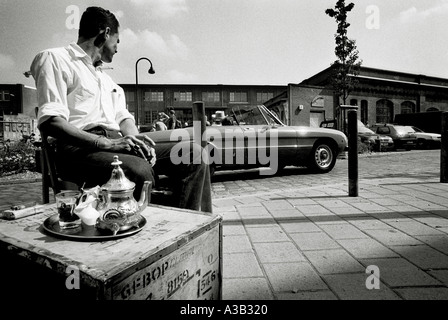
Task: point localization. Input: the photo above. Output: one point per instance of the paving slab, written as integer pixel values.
(241, 265)
(333, 261)
(398, 272)
(343, 231)
(314, 241)
(353, 287)
(293, 277)
(236, 244)
(247, 289)
(267, 234)
(392, 237)
(307, 295)
(423, 256)
(278, 252)
(366, 248)
(423, 293)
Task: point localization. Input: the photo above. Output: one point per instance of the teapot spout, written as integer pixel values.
(145, 196)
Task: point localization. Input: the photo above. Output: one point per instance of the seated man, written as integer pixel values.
(227, 121)
(85, 111)
(160, 122)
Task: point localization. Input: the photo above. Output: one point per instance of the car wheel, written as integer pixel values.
(322, 158)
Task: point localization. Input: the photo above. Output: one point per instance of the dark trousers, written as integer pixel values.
(190, 182)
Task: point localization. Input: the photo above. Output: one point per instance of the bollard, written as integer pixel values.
(199, 115)
(444, 149)
(352, 153)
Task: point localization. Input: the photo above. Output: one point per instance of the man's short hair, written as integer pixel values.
(95, 19)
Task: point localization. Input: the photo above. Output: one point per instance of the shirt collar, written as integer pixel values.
(76, 51)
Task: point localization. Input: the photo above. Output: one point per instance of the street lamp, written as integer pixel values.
(150, 71)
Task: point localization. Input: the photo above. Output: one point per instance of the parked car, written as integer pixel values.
(255, 137)
(404, 136)
(427, 140)
(376, 142)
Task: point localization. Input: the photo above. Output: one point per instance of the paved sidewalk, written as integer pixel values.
(317, 243)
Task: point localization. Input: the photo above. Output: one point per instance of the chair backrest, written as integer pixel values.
(49, 159)
(50, 177)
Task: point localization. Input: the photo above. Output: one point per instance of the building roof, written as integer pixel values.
(323, 78)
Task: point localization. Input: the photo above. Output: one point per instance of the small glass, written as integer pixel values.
(65, 203)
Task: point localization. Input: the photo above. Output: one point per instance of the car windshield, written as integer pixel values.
(362, 128)
(259, 115)
(417, 129)
(404, 129)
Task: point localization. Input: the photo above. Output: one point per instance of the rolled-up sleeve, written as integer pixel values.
(121, 112)
(51, 87)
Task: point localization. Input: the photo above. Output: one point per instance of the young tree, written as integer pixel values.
(347, 65)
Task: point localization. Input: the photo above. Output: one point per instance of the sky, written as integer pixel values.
(231, 42)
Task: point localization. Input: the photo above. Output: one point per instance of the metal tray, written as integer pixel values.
(86, 233)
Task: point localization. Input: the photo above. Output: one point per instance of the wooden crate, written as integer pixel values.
(177, 255)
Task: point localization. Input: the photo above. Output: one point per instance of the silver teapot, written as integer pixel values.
(118, 209)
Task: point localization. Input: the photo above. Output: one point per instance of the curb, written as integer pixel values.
(20, 181)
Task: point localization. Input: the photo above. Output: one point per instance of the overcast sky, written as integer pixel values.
(271, 42)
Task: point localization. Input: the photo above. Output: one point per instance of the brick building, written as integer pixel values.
(379, 95)
(155, 98)
(17, 115)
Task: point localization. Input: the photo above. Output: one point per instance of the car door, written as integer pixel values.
(268, 141)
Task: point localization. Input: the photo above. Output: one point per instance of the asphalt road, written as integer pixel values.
(421, 163)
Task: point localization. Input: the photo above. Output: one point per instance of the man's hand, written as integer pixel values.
(140, 145)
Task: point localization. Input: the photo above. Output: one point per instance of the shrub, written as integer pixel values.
(363, 147)
(20, 157)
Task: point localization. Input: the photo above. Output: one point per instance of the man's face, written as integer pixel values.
(110, 47)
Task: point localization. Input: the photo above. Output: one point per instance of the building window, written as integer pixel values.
(384, 111)
(154, 115)
(147, 117)
(364, 112)
(153, 96)
(210, 96)
(238, 96)
(318, 102)
(130, 96)
(183, 96)
(264, 96)
(407, 107)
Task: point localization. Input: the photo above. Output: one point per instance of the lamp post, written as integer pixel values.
(150, 71)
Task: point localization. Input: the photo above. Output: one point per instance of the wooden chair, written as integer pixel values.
(50, 177)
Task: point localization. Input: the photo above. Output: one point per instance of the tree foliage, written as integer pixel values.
(347, 65)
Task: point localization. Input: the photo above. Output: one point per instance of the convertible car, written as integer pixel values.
(251, 137)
